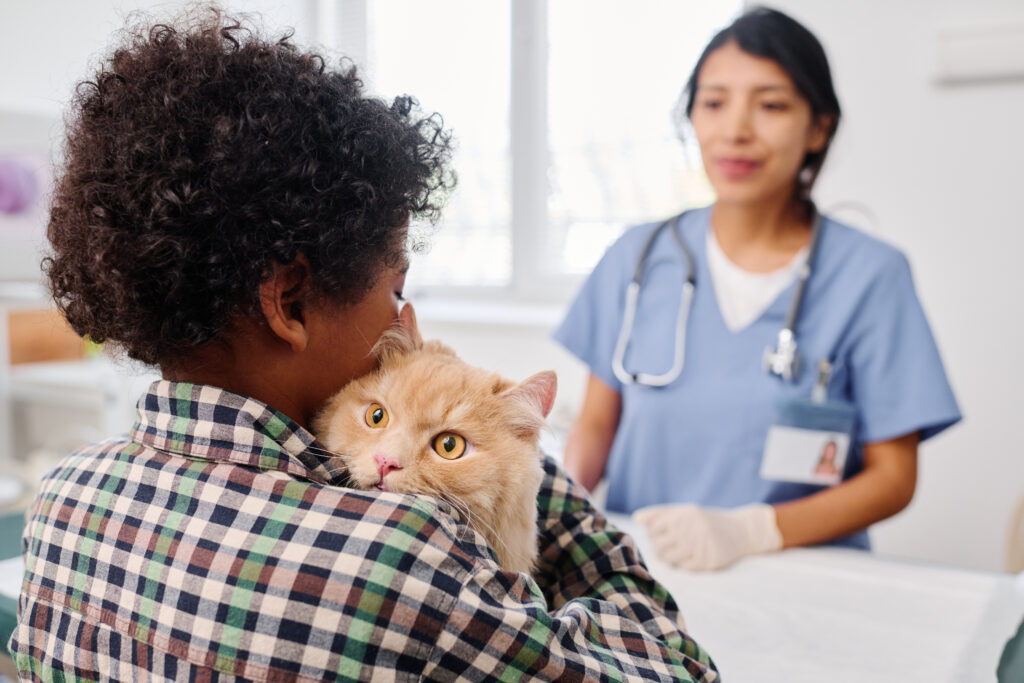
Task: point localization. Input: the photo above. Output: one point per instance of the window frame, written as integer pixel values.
(533, 279)
(344, 25)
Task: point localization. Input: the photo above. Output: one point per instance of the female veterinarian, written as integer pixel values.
(727, 345)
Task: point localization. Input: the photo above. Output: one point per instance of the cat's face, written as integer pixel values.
(426, 422)
(429, 423)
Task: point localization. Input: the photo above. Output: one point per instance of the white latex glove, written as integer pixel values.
(692, 537)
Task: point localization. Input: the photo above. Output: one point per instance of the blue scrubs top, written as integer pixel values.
(701, 438)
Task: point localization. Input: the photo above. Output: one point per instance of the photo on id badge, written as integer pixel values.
(808, 456)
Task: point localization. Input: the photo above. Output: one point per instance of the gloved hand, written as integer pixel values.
(692, 537)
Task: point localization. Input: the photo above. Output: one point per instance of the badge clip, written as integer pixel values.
(820, 391)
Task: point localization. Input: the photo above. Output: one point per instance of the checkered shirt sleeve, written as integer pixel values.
(215, 544)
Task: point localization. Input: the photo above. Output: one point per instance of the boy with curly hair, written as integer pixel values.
(234, 212)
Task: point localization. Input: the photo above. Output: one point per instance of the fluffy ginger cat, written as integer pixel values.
(426, 422)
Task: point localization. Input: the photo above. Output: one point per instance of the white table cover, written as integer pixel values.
(831, 615)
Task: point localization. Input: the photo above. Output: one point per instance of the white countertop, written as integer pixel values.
(834, 615)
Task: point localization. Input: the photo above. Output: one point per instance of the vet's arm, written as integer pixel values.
(699, 538)
(586, 450)
(884, 487)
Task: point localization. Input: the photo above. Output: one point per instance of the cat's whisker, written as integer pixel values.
(477, 521)
(462, 508)
(323, 451)
(370, 344)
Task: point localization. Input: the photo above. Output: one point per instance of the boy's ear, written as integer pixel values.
(284, 296)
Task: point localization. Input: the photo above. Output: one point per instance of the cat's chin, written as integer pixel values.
(371, 485)
(382, 485)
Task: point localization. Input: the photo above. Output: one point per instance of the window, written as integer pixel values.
(453, 56)
(562, 110)
(615, 74)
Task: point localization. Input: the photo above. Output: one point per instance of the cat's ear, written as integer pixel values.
(537, 394)
(403, 337)
(543, 387)
(407, 321)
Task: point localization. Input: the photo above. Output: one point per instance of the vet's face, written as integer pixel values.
(753, 126)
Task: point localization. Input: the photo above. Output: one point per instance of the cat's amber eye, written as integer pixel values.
(449, 445)
(376, 416)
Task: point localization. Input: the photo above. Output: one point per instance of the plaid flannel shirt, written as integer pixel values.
(215, 543)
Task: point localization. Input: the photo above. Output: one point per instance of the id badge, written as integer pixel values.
(809, 442)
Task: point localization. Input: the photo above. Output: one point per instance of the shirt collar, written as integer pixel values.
(202, 421)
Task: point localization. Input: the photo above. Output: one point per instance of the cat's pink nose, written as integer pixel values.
(385, 464)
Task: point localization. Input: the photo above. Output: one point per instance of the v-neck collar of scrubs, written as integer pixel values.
(695, 235)
(743, 296)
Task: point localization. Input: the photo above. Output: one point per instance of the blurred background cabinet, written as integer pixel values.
(57, 392)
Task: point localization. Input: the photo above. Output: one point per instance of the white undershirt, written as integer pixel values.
(743, 296)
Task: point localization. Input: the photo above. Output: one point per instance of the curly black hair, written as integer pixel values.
(200, 154)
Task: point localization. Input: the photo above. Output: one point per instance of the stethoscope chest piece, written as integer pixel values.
(783, 360)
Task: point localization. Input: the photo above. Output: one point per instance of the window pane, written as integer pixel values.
(616, 71)
(453, 56)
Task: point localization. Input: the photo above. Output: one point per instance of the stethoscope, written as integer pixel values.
(782, 360)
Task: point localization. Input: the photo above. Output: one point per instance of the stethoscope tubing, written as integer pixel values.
(633, 294)
(805, 273)
(783, 360)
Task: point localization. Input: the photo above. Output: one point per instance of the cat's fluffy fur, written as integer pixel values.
(426, 391)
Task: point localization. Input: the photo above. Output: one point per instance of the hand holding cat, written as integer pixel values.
(692, 537)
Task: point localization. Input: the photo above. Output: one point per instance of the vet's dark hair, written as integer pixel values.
(200, 154)
(768, 33)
